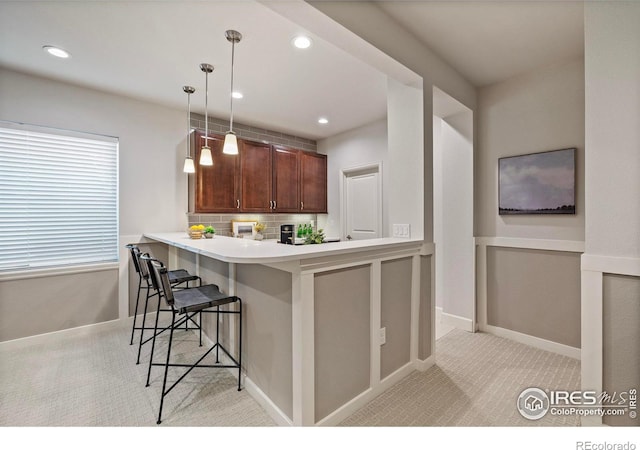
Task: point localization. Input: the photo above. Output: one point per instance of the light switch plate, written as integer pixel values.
(401, 230)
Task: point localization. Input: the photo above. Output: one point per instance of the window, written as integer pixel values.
(58, 198)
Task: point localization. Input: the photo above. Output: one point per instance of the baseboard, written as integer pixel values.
(263, 400)
(539, 343)
(365, 397)
(461, 323)
(279, 417)
(438, 314)
(423, 365)
(77, 331)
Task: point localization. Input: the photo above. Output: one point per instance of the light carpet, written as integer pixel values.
(92, 380)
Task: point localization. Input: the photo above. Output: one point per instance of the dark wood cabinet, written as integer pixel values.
(217, 187)
(286, 180)
(262, 178)
(255, 176)
(313, 182)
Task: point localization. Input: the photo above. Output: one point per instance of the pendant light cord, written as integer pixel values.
(188, 125)
(233, 47)
(206, 109)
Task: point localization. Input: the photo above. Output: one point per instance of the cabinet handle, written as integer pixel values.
(301, 205)
(275, 204)
(238, 204)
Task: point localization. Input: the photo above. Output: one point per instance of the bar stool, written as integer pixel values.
(176, 278)
(192, 300)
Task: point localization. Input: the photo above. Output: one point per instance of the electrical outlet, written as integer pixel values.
(383, 336)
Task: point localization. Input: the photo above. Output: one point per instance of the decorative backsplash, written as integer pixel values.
(222, 222)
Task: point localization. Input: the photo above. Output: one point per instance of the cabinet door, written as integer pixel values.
(286, 179)
(217, 186)
(313, 182)
(255, 173)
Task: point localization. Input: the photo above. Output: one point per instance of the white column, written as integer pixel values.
(302, 335)
(415, 308)
(375, 317)
(592, 348)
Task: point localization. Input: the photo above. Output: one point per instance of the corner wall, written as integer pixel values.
(611, 263)
(539, 111)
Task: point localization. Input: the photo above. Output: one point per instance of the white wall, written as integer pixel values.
(612, 177)
(438, 208)
(612, 62)
(153, 195)
(456, 247)
(541, 110)
(152, 139)
(406, 187)
(361, 146)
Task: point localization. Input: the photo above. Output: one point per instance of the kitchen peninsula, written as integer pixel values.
(328, 326)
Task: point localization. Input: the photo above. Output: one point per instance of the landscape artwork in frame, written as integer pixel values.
(538, 183)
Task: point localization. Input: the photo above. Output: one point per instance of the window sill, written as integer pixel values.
(56, 271)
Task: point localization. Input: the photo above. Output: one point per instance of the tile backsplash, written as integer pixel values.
(221, 126)
(222, 222)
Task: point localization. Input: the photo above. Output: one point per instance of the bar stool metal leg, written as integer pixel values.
(153, 343)
(144, 321)
(166, 369)
(239, 344)
(135, 313)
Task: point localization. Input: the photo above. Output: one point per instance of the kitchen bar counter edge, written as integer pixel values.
(248, 251)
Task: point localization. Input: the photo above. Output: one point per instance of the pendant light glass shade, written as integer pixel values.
(189, 167)
(230, 144)
(230, 140)
(205, 156)
(205, 152)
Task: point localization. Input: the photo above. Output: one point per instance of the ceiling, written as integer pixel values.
(150, 49)
(491, 41)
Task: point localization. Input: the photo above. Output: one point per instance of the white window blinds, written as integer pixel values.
(58, 198)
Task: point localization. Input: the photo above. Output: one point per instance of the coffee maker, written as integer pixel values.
(287, 235)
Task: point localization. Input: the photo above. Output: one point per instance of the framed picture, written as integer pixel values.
(242, 228)
(538, 183)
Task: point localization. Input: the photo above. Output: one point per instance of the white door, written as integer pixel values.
(362, 203)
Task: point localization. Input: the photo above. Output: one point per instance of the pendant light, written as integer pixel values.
(189, 167)
(230, 140)
(205, 152)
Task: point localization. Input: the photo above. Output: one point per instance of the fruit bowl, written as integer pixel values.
(196, 231)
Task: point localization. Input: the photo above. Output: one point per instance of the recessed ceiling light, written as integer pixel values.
(237, 94)
(302, 42)
(56, 51)
(323, 120)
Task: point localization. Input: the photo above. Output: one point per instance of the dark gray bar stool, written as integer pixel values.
(176, 278)
(183, 302)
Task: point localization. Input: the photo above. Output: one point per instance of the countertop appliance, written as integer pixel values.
(287, 235)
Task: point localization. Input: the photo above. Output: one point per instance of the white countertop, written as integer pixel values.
(249, 251)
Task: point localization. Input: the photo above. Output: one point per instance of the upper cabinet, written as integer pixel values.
(262, 178)
(255, 176)
(217, 187)
(313, 182)
(286, 179)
